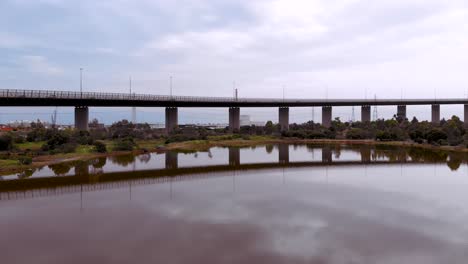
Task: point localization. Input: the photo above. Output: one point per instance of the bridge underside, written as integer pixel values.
(128, 102)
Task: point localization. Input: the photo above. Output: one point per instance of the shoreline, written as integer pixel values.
(205, 145)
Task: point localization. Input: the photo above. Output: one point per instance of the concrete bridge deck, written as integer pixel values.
(12, 97)
(82, 100)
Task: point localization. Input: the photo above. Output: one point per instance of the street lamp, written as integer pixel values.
(81, 81)
(170, 86)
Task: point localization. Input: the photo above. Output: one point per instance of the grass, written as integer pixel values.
(30, 145)
(85, 149)
(150, 144)
(9, 163)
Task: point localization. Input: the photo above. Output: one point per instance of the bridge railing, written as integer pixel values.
(71, 95)
(44, 94)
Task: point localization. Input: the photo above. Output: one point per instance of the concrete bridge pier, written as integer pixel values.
(172, 119)
(172, 160)
(81, 118)
(401, 111)
(283, 153)
(234, 156)
(234, 119)
(365, 113)
(435, 113)
(284, 118)
(465, 116)
(326, 116)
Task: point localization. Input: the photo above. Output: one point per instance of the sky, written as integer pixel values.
(309, 48)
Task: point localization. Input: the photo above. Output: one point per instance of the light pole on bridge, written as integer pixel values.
(81, 81)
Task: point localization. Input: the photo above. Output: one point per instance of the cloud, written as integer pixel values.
(312, 37)
(40, 65)
(309, 46)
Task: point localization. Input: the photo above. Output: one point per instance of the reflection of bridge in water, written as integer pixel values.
(83, 181)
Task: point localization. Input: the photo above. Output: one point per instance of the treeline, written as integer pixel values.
(124, 134)
(448, 132)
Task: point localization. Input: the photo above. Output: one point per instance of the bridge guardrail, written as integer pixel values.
(71, 95)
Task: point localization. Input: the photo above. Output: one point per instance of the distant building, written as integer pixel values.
(244, 120)
(5, 128)
(156, 126)
(258, 123)
(20, 124)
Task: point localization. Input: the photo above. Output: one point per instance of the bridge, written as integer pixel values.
(83, 100)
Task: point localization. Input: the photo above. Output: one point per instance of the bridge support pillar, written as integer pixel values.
(234, 119)
(435, 113)
(172, 119)
(172, 160)
(283, 153)
(326, 116)
(284, 118)
(401, 111)
(81, 118)
(365, 113)
(234, 156)
(466, 116)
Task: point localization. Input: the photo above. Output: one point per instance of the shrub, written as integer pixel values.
(436, 135)
(178, 138)
(6, 142)
(126, 144)
(67, 148)
(25, 160)
(83, 138)
(356, 133)
(19, 139)
(100, 147)
(57, 139)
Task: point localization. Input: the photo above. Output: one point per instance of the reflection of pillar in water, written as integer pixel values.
(283, 153)
(234, 156)
(365, 154)
(82, 169)
(171, 160)
(327, 154)
(81, 198)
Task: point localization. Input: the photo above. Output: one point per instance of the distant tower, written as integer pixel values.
(376, 116)
(54, 118)
(134, 117)
(352, 116)
(133, 108)
(313, 114)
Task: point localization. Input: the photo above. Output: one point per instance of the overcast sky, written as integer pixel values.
(343, 48)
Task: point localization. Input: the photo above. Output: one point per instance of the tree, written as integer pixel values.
(269, 128)
(436, 135)
(356, 133)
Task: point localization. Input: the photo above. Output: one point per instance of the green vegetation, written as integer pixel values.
(100, 146)
(6, 142)
(124, 144)
(23, 147)
(448, 133)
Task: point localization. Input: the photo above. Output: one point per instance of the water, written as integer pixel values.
(269, 204)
